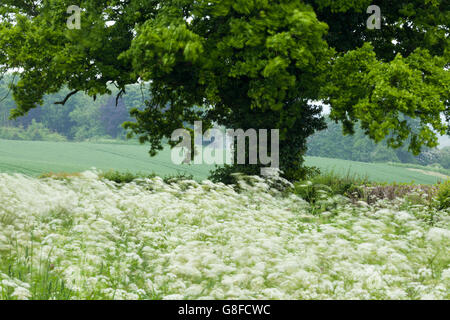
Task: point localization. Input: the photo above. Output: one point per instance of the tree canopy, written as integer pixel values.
(247, 63)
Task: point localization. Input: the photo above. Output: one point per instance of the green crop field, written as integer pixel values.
(378, 172)
(35, 157)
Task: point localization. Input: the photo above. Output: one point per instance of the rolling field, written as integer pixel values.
(379, 172)
(34, 158)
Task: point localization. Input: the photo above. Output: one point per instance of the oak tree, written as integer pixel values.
(242, 64)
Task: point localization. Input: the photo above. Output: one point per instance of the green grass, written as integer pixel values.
(426, 168)
(376, 172)
(35, 158)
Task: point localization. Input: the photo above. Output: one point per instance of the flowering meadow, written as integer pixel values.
(88, 238)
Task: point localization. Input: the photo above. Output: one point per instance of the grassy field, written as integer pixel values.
(35, 157)
(378, 172)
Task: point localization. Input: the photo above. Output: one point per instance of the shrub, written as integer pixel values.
(127, 177)
(180, 176)
(443, 195)
(341, 184)
(323, 186)
(227, 174)
(311, 192)
(124, 177)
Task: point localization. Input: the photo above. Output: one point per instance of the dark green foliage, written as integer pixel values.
(127, 177)
(258, 70)
(226, 174)
(124, 177)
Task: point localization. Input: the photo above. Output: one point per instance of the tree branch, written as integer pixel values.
(67, 97)
(119, 95)
(10, 88)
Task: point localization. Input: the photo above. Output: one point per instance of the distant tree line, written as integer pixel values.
(81, 118)
(331, 143)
